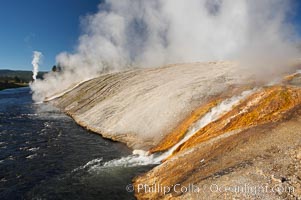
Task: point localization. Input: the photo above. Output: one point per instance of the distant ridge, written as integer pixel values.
(16, 78)
(25, 76)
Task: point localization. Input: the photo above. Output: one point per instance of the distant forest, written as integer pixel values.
(18, 76)
(15, 79)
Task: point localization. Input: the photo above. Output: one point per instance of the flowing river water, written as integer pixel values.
(44, 154)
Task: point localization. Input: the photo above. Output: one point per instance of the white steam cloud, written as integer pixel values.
(137, 33)
(35, 64)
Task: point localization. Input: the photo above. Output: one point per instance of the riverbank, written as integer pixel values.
(10, 85)
(16, 78)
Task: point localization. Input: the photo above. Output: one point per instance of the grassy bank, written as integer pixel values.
(15, 79)
(4, 86)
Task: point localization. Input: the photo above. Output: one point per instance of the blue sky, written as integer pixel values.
(50, 26)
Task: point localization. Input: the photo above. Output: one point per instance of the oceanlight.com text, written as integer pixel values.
(213, 188)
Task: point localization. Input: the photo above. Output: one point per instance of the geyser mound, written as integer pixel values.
(139, 107)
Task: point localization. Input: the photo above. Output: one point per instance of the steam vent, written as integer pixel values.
(201, 128)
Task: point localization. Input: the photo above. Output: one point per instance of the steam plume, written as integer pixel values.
(137, 33)
(35, 64)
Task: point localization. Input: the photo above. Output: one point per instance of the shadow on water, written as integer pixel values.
(43, 151)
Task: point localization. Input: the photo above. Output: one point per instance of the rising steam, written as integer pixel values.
(137, 33)
(35, 64)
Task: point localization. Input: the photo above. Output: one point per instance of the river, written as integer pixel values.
(44, 154)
